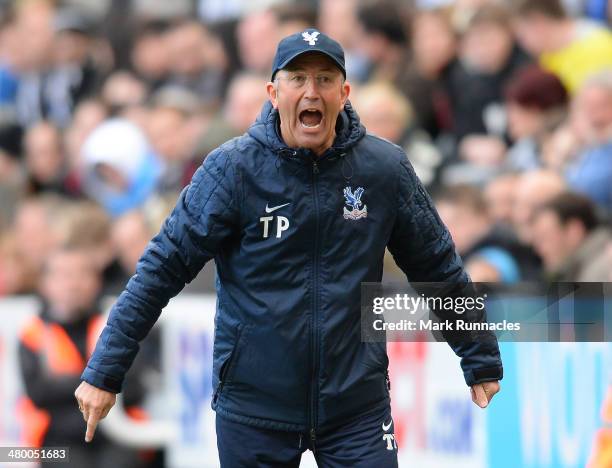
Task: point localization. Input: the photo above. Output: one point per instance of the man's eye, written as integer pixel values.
(298, 79)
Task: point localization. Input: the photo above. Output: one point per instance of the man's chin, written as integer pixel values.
(316, 147)
(311, 141)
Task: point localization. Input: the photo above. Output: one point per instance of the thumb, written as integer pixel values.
(479, 396)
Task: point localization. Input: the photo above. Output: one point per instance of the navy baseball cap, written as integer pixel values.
(303, 42)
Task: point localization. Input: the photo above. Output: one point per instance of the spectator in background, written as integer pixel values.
(34, 39)
(120, 170)
(87, 116)
(346, 33)
(488, 251)
(257, 37)
(39, 41)
(131, 233)
(126, 97)
(53, 349)
(294, 17)
(570, 239)
(16, 274)
(384, 40)
(434, 42)
(533, 189)
(45, 159)
(87, 226)
(58, 70)
(573, 49)
(536, 103)
(487, 58)
(122, 91)
(591, 171)
(386, 112)
(36, 229)
(243, 102)
(74, 75)
(499, 195)
(249, 41)
(171, 139)
(150, 54)
(197, 60)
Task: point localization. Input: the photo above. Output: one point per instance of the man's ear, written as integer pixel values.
(272, 94)
(346, 91)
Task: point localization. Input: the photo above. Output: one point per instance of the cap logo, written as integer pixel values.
(311, 38)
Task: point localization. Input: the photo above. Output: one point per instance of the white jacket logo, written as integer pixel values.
(353, 200)
(389, 438)
(282, 223)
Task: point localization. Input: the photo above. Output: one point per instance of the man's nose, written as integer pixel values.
(311, 88)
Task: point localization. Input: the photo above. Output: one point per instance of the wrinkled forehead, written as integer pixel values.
(312, 62)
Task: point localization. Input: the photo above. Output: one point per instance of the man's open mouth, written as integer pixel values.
(311, 118)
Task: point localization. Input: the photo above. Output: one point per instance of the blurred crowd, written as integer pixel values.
(504, 109)
(107, 108)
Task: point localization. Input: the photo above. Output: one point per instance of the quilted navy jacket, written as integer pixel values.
(292, 246)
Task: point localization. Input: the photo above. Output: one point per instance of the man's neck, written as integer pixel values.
(318, 151)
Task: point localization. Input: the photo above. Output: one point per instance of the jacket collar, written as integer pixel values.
(266, 130)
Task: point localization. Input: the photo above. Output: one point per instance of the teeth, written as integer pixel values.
(310, 126)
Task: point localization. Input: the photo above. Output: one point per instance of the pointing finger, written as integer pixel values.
(92, 422)
(479, 396)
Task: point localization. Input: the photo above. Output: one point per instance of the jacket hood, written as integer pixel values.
(266, 129)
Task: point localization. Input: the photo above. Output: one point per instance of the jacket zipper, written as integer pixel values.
(314, 315)
(226, 368)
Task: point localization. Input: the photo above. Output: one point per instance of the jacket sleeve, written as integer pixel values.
(204, 217)
(423, 248)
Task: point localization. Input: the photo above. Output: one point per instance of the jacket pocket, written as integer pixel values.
(375, 356)
(377, 361)
(227, 362)
(381, 354)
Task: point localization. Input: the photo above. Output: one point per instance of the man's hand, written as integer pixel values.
(482, 393)
(95, 404)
